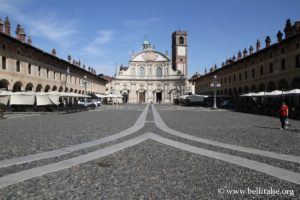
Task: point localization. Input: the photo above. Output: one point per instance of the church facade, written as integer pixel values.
(152, 76)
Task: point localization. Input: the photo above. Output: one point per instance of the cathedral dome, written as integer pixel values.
(146, 42)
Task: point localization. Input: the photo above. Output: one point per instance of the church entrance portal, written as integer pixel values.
(125, 97)
(158, 97)
(141, 97)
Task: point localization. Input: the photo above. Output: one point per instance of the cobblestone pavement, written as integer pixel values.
(149, 152)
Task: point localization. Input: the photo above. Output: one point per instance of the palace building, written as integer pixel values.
(274, 67)
(24, 67)
(152, 76)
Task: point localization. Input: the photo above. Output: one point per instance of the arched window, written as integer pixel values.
(158, 72)
(181, 40)
(141, 72)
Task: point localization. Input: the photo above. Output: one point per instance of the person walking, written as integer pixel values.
(283, 114)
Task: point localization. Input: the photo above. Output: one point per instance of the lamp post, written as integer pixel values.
(85, 82)
(215, 84)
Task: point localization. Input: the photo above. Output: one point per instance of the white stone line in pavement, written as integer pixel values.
(42, 170)
(277, 172)
(59, 152)
(20, 116)
(161, 125)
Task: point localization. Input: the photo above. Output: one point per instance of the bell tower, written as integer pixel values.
(179, 51)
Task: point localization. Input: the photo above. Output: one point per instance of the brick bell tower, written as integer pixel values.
(179, 52)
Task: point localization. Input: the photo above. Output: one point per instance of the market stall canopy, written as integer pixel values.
(113, 96)
(294, 91)
(4, 97)
(275, 93)
(22, 98)
(248, 94)
(100, 95)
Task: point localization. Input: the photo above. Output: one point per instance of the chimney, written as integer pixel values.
(22, 35)
(69, 58)
(268, 41)
(251, 50)
(53, 52)
(1, 26)
(7, 26)
(234, 58)
(288, 28)
(279, 36)
(18, 29)
(257, 45)
(245, 53)
(29, 40)
(239, 55)
(297, 27)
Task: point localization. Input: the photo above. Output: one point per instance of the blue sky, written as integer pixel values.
(103, 33)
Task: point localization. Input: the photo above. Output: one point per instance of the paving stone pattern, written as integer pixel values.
(150, 169)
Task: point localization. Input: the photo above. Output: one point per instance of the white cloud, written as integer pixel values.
(49, 26)
(95, 47)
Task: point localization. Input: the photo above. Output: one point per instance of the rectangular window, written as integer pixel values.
(39, 71)
(271, 68)
(246, 75)
(253, 73)
(29, 68)
(261, 70)
(47, 73)
(229, 79)
(3, 62)
(283, 64)
(298, 61)
(234, 78)
(18, 69)
(240, 76)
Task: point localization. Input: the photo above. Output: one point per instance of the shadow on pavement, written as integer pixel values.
(289, 129)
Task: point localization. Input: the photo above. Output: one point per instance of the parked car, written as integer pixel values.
(95, 102)
(227, 104)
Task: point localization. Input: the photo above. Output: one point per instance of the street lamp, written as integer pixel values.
(215, 84)
(84, 84)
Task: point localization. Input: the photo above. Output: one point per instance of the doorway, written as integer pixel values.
(125, 97)
(158, 97)
(141, 97)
